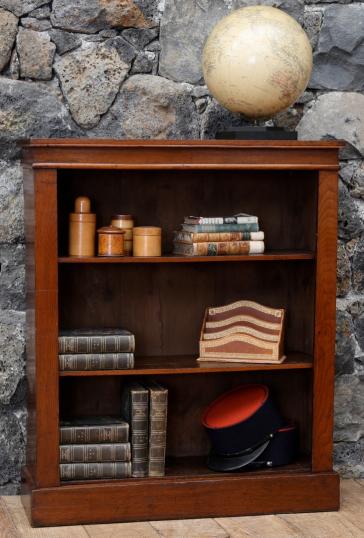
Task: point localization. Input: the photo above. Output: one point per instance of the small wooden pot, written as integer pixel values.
(126, 223)
(147, 241)
(111, 241)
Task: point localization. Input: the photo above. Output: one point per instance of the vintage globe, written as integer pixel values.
(257, 61)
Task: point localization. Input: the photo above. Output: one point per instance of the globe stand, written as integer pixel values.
(256, 132)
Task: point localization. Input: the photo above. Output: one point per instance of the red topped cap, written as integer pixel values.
(235, 406)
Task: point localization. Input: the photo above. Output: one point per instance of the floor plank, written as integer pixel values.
(121, 530)
(20, 520)
(322, 525)
(7, 527)
(262, 526)
(189, 528)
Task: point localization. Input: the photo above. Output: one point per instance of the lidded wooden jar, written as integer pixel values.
(147, 241)
(111, 241)
(82, 229)
(126, 223)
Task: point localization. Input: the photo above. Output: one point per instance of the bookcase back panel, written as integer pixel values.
(284, 201)
(164, 304)
(188, 397)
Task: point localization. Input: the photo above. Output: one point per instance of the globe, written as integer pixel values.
(257, 61)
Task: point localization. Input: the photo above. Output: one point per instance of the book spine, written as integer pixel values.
(249, 219)
(157, 432)
(94, 453)
(139, 432)
(190, 237)
(96, 344)
(253, 227)
(71, 435)
(228, 248)
(96, 361)
(94, 471)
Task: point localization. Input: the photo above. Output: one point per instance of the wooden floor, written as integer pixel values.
(348, 522)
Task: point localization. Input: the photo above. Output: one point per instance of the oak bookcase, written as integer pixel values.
(292, 187)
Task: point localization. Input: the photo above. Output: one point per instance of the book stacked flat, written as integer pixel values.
(96, 349)
(244, 331)
(219, 236)
(144, 406)
(95, 448)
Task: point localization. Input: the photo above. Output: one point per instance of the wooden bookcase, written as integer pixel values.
(292, 187)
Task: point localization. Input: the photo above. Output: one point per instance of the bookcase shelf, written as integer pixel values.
(267, 256)
(189, 365)
(292, 187)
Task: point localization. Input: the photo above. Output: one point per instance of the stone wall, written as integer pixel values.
(131, 69)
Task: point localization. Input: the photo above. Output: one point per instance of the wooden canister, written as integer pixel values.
(111, 241)
(82, 229)
(147, 241)
(126, 223)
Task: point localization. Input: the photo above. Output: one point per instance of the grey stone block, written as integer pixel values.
(12, 448)
(90, 80)
(36, 53)
(12, 342)
(12, 277)
(22, 7)
(65, 41)
(348, 459)
(8, 31)
(336, 115)
(343, 284)
(11, 203)
(150, 107)
(339, 58)
(345, 343)
(30, 109)
(95, 15)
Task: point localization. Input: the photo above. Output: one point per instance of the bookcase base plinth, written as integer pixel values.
(171, 498)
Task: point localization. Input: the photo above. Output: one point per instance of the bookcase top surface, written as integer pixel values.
(86, 142)
(109, 154)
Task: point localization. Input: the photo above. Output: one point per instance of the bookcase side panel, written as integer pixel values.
(325, 322)
(46, 328)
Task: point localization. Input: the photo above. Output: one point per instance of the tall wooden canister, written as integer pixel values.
(82, 229)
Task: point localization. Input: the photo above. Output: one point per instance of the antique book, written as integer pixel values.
(95, 453)
(243, 331)
(158, 405)
(190, 237)
(94, 430)
(94, 471)
(194, 228)
(135, 409)
(96, 341)
(96, 361)
(228, 248)
(240, 218)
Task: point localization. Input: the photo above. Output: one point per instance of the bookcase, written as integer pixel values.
(292, 187)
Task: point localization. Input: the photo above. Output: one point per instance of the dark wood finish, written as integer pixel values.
(189, 365)
(292, 186)
(153, 499)
(325, 323)
(267, 256)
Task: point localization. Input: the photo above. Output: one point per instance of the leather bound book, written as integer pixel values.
(190, 237)
(244, 331)
(158, 406)
(135, 409)
(94, 430)
(95, 453)
(96, 361)
(96, 341)
(94, 471)
(222, 248)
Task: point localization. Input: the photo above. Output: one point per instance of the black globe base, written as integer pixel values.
(256, 133)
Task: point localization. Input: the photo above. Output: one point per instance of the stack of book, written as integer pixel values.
(219, 236)
(144, 406)
(95, 448)
(244, 331)
(96, 349)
